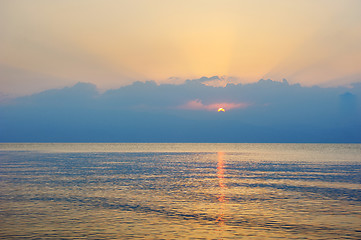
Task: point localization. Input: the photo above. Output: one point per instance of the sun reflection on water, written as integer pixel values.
(221, 194)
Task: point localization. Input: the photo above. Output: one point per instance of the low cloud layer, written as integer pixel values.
(266, 111)
(198, 105)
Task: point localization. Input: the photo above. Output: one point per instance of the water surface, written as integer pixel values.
(180, 191)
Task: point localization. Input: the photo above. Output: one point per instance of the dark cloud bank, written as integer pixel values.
(266, 111)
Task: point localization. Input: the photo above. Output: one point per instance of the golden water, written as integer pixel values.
(180, 191)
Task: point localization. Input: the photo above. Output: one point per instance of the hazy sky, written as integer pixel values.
(46, 44)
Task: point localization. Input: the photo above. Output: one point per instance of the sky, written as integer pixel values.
(52, 44)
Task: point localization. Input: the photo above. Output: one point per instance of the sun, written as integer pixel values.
(221, 109)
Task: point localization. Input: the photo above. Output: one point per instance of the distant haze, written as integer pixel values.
(52, 44)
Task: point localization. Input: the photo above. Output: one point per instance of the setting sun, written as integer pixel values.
(221, 109)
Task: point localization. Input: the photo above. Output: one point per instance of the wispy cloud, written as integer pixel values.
(198, 105)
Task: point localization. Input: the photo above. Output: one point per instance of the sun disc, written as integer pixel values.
(221, 109)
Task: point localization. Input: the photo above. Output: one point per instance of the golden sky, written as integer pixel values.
(110, 43)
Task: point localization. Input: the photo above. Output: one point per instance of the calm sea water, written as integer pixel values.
(180, 191)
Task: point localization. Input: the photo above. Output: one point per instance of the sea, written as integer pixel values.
(180, 191)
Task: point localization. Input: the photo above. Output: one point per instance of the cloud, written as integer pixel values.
(266, 111)
(198, 105)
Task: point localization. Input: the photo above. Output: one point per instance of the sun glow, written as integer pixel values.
(221, 109)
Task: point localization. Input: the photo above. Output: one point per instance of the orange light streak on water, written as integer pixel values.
(222, 186)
